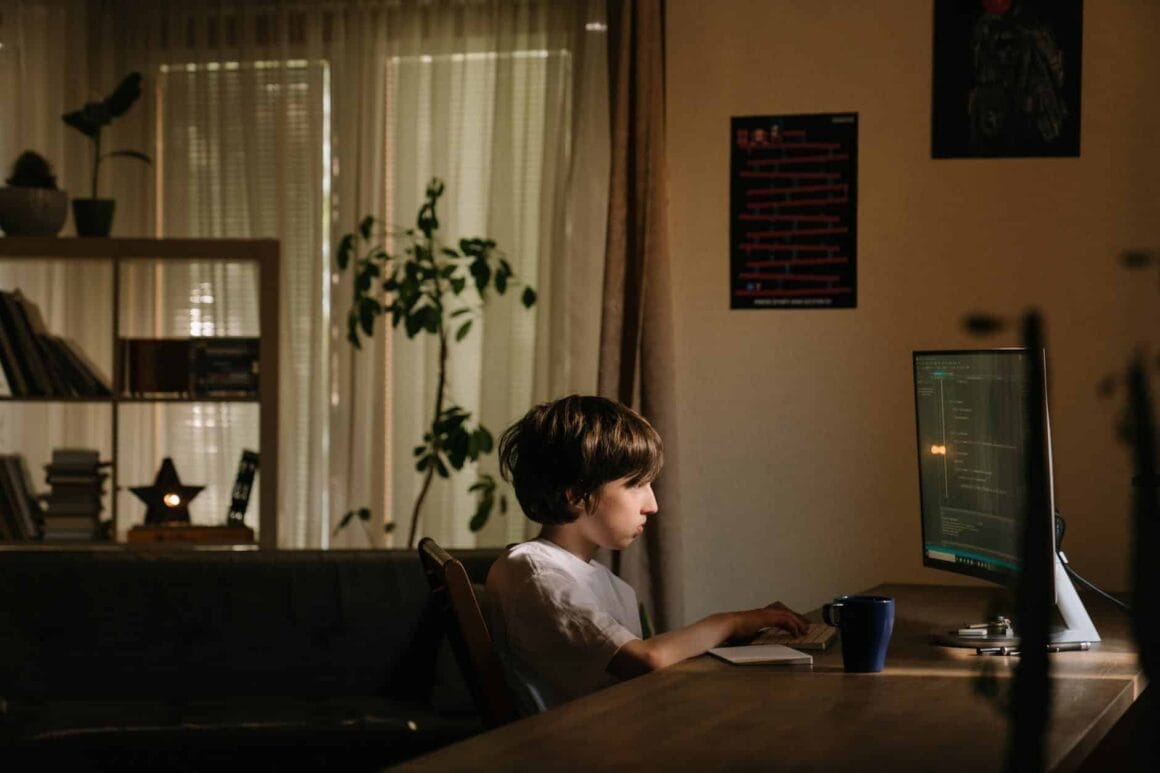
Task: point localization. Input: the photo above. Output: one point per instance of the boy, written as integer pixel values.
(565, 626)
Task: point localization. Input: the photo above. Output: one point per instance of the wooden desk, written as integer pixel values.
(924, 712)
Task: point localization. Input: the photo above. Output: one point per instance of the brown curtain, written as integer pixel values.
(636, 336)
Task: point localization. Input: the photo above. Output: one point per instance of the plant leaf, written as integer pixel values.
(127, 92)
(528, 298)
(486, 443)
(463, 330)
(345, 248)
(367, 311)
(482, 513)
(365, 225)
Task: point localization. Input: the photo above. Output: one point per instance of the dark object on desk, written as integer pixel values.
(240, 498)
(866, 623)
(167, 500)
(451, 590)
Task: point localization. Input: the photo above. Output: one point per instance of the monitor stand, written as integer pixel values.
(999, 632)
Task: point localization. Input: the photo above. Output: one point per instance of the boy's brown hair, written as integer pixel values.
(560, 454)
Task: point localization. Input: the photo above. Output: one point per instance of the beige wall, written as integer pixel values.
(797, 427)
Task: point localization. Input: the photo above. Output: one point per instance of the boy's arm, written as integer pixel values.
(640, 656)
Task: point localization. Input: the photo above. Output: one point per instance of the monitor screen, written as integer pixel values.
(972, 459)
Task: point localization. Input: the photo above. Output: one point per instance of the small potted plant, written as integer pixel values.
(94, 216)
(31, 205)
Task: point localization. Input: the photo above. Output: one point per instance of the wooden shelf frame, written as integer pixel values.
(264, 253)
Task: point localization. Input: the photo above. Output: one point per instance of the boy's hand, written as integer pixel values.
(751, 622)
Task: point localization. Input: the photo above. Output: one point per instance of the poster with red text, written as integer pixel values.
(793, 212)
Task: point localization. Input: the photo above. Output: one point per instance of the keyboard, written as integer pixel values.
(818, 637)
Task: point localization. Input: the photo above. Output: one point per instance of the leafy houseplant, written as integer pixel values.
(31, 205)
(422, 287)
(94, 216)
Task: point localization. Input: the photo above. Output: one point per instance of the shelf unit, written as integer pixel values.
(118, 253)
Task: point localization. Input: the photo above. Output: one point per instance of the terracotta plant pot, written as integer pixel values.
(93, 217)
(32, 211)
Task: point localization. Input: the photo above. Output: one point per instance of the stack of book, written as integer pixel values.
(75, 500)
(35, 363)
(21, 519)
(224, 367)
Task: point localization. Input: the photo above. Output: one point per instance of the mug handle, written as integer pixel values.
(833, 608)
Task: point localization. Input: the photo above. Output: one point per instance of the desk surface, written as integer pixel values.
(925, 711)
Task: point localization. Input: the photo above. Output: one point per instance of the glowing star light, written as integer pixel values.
(167, 499)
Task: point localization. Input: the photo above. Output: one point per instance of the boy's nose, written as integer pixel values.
(649, 507)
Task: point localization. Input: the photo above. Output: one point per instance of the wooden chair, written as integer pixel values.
(467, 631)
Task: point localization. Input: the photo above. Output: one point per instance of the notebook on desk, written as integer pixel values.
(762, 653)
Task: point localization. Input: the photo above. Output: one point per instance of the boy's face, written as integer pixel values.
(617, 514)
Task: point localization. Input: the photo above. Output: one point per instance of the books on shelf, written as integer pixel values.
(36, 363)
(72, 508)
(224, 366)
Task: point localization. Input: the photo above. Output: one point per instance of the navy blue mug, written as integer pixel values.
(865, 623)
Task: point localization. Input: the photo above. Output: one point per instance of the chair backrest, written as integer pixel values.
(467, 631)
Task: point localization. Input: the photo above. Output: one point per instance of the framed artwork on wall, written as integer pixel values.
(1006, 79)
(793, 196)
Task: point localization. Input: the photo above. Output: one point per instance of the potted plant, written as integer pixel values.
(31, 205)
(94, 216)
(421, 286)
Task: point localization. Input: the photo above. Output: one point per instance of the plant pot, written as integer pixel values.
(32, 211)
(93, 217)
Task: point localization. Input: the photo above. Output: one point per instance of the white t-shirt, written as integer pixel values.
(557, 621)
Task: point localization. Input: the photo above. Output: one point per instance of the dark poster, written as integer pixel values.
(1006, 78)
(793, 214)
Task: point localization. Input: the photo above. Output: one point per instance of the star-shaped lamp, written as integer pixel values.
(167, 500)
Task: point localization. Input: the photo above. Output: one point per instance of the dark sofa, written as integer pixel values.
(200, 658)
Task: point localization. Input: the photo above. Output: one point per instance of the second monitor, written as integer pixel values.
(971, 418)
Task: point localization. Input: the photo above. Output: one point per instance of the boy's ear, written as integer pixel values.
(577, 503)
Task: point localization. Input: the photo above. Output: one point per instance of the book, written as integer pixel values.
(10, 363)
(27, 506)
(28, 357)
(154, 366)
(762, 653)
(58, 386)
(96, 383)
(224, 367)
(74, 458)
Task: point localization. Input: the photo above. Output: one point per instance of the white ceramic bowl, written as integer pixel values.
(32, 211)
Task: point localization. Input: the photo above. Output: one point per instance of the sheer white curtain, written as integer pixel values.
(292, 120)
(507, 103)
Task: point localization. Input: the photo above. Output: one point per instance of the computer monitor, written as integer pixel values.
(971, 420)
